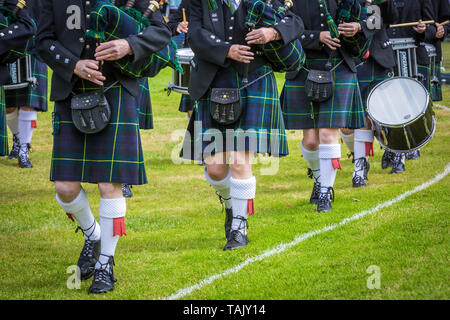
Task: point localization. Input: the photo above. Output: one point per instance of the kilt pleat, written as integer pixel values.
(144, 105)
(186, 103)
(3, 126)
(260, 128)
(113, 155)
(436, 91)
(369, 74)
(32, 96)
(343, 110)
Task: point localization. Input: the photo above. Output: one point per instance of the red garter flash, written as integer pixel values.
(33, 124)
(367, 55)
(336, 163)
(119, 227)
(251, 207)
(369, 149)
(70, 216)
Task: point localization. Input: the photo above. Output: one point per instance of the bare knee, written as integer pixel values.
(329, 136)
(311, 139)
(217, 172)
(110, 190)
(241, 165)
(346, 131)
(67, 191)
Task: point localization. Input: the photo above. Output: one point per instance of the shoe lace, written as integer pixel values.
(358, 179)
(88, 247)
(104, 272)
(243, 224)
(222, 200)
(324, 197)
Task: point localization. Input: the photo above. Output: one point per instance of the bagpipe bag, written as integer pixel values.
(7, 18)
(282, 58)
(109, 22)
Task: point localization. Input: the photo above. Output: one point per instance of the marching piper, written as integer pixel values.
(377, 67)
(237, 112)
(14, 35)
(320, 115)
(112, 156)
(22, 105)
(411, 11)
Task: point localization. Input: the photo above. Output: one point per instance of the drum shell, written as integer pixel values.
(180, 81)
(408, 136)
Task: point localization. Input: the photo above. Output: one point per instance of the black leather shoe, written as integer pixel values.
(228, 221)
(398, 165)
(88, 257)
(413, 155)
(236, 240)
(358, 181)
(126, 190)
(324, 204)
(24, 157)
(386, 160)
(103, 277)
(15, 148)
(316, 188)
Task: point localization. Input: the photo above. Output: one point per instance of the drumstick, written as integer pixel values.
(184, 15)
(410, 24)
(443, 23)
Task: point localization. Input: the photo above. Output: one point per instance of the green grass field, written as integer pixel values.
(175, 226)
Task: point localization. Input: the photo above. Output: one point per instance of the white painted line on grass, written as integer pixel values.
(300, 238)
(440, 106)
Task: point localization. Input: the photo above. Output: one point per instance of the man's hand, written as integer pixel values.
(112, 50)
(349, 29)
(88, 70)
(182, 27)
(240, 53)
(440, 31)
(261, 36)
(420, 28)
(332, 43)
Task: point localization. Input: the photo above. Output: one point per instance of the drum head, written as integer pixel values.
(397, 101)
(185, 54)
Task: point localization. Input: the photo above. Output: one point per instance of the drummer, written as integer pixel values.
(376, 67)
(411, 11)
(179, 26)
(12, 37)
(22, 104)
(441, 10)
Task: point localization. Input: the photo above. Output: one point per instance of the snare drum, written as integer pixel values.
(430, 79)
(402, 113)
(405, 57)
(180, 81)
(20, 73)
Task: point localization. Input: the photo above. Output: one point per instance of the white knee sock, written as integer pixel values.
(112, 213)
(330, 155)
(13, 121)
(348, 140)
(363, 148)
(26, 119)
(222, 187)
(312, 158)
(242, 194)
(80, 210)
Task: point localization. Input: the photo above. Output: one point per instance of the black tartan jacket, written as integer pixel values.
(211, 34)
(380, 48)
(15, 36)
(54, 39)
(441, 11)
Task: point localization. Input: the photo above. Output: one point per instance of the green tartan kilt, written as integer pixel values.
(369, 74)
(186, 103)
(3, 129)
(343, 110)
(32, 96)
(425, 71)
(144, 105)
(260, 128)
(113, 155)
